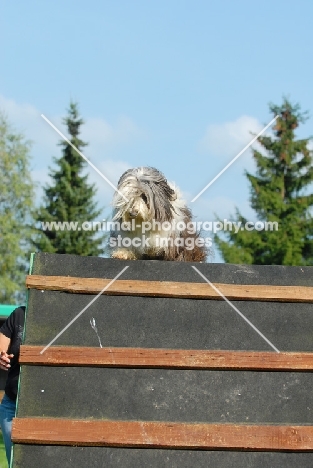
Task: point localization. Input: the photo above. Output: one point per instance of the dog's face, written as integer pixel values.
(148, 194)
(138, 207)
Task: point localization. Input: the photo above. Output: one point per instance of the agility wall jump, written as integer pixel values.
(160, 370)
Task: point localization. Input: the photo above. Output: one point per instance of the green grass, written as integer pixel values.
(3, 458)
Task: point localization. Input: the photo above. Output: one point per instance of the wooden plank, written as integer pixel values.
(165, 358)
(97, 267)
(171, 289)
(149, 434)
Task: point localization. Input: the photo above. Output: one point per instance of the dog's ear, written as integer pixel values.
(174, 195)
(167, 190)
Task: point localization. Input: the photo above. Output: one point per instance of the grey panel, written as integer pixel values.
(167, 322)
(167, 395)
(30, 456)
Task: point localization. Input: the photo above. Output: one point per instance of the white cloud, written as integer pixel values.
(103, 138)
(99, 131)
(26, 119)
(228, 138)
(19, 113)
(222, 143)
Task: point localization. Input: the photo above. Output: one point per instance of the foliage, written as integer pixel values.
(281, 191)
(16, 211)
(70, 198)
(3, 458)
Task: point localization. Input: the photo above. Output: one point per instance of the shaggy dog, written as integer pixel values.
(151, 220)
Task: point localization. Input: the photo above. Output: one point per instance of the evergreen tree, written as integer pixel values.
(16, 206)
(70, 198)
(281, 191)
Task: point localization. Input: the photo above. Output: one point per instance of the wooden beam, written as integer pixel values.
(46, 431)
(165, 358)
(171, 289)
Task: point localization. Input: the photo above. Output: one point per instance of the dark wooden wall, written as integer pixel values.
(113, 409)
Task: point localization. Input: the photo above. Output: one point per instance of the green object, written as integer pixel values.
(3, 458)
(6, 310)
(16, 208)
(280, 192)
(70, 199)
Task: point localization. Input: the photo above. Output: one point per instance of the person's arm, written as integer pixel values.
(4, 357)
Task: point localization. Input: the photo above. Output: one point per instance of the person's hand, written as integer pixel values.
(5, 360)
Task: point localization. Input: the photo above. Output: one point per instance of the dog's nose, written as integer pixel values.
(133, 213)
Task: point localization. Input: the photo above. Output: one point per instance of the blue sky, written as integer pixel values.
(173, 84)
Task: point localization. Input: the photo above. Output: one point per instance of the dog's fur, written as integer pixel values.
(150, 197)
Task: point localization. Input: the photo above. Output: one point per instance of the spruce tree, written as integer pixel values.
(281, 191)
(70, 198)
